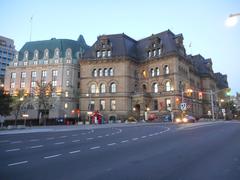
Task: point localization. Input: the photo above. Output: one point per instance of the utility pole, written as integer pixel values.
(211, 96)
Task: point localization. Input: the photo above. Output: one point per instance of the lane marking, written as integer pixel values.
(16, 142)
(112, 144)
(37, 146)
(57, 143)
(51, 138)
(73, 152)
(53, 156)
(96, 147)
(63, 136)
(11, 150)
(124, 141)
(34, 140)
(99, 136)
(77, 140)
(90, 138)
(17, 163)
(143, 137)
(134, 139)
(113, 133)
(107, 135)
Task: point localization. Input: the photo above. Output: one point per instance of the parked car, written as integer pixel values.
(186, 119)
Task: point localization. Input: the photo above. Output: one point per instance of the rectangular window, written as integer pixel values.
(78, 74)
(54, 73)
(15, 64)
(78, 86)
(67, 83)
(35, 62)
(66, 105)
(45, 62)
(33, 84)
(104, 54)
(34, 74)
(98, 54)
(112, 104)
(22, 85)
(44, 73)
(25, 63)
(44, 83)
(54, 83)
(91, 105)
(23, 75)
(12, 85)
(66, 94)
(13, 75)
(155, 104)
(168, 104)
(102, 105)
(56, 61)
(67, 72)
(109, 53)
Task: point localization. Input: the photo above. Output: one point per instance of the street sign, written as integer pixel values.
(183, 106)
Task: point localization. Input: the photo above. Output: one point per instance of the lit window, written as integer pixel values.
(44, 73)
(109, 53)
(66, 105)
(12, 85)
(113, 88)
(98, 54)
(155, 87)
(66, 94)
(144, 73)
(168, 104)
(22, 85)
(105, 72)
(23, 75)
(166, 69)
(54, 83)
(111, 72)
(168, 86)
(93, 88)
(112, 104)
(104, 54)
(100, 72)
(102, 105)
(13, 75)
(102, 88)
(157, 71)
(33, 84)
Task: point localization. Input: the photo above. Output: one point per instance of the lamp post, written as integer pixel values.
(232, 20)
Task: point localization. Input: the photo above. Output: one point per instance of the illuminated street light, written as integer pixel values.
(232, 20)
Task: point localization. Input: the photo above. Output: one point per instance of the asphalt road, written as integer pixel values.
(156, 151)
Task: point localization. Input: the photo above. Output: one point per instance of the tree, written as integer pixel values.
(43, 95)
(5, 103)
(18, 103)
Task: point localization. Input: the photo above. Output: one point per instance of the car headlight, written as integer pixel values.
(185, 120)
(178, 120)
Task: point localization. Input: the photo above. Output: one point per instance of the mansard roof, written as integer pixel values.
(221, 80)
(122, 45)
(51, 45)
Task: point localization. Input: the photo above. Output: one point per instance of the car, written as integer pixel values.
(186, 119)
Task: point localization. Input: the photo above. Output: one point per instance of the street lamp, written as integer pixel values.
(232, 20)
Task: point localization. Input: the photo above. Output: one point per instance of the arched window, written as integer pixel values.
(157, 71)
(94, 73)
(113, 88)
(155, 87)
(105, 72)
(111, 72)
(93, 88)
(102, 88)
(168, 86)
(98, 54)
(100, 72)
(166, 69)
(152, 73)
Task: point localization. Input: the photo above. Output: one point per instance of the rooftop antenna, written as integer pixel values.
(31, 28)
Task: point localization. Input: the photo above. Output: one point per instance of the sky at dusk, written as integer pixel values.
(200, 21)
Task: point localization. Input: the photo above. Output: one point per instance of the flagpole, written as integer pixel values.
(31, 28)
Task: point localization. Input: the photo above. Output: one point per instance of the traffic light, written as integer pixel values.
(177, 100)
(200, 95)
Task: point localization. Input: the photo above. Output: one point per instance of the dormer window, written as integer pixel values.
(56, 53)
(154, 45)
(26, 55)
(98, 54)
(68, 53)
(46, 54)
(109, 53)
(104, 54)
(159, 51)
(104, 46)
(154, 53)
(35, 54)
(149, 54)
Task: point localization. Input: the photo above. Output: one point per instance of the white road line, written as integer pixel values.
(99, 136)
(38, 146)
(90, 138)
(11, 150)
(51, 138)
(107, 135)
(96, 147)
(17, 163)
(113, 133)
(134, 139)
(63, 136)
(124, 141)
(73, 152)
(77, 140)
(143, 137)
(112, 144)
(53, 156)
(16, 142)
(34, 140)
(150, 135)
(57, 143)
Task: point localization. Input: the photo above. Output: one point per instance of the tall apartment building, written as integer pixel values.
(146, 79)
(55, 61)
(7, 52)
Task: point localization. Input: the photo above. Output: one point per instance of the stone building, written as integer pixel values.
(55, 61)
(148, 78)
